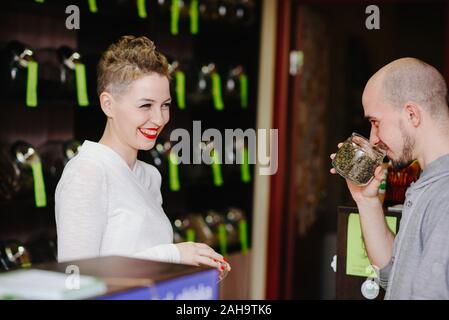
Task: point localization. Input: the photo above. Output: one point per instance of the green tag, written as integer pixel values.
(174, 22)
(39, 185)
(31, 94)
(93, 6)
(244, 91)
(81, 87)
(216, 169)
(216, 91)
(173, 172)
(39, 1)
(223, 239)
(194, 22)
(181, 89)
(243, 232)
(190, 235)
(245, 173)
(357, 262)
(142, 9)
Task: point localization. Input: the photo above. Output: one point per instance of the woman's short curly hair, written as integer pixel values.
(127, 60)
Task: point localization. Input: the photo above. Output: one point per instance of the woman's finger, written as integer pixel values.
(211, 254)
(205, 261)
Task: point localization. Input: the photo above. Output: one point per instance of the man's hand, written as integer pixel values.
(367, 194)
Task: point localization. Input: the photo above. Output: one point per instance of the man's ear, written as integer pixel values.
(414, 113)
(106, 103)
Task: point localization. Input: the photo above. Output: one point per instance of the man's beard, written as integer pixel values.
(406, 157)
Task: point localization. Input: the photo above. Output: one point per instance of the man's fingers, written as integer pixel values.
(378, 173)
(339, 145)
(332, 156)
(333, 171)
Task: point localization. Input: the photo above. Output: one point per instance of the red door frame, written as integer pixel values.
(278, 188)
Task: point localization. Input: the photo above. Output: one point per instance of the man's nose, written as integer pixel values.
(373, 137)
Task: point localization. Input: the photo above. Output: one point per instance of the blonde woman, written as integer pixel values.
(107, 201)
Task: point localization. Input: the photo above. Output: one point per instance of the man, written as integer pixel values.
(405, 102)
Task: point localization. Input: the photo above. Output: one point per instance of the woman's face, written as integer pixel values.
(141, 111)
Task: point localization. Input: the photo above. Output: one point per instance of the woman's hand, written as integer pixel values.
(364, 194)
(200, 254)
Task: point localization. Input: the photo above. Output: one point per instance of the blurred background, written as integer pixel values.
(296, 66)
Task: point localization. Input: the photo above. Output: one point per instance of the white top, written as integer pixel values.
(103, 207)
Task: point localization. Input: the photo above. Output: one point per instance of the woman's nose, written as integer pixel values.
(156, 117)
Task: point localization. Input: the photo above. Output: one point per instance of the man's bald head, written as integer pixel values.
(412, 80)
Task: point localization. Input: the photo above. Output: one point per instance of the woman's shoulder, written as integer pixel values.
(84, 166)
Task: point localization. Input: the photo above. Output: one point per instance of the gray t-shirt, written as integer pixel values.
(419, 268)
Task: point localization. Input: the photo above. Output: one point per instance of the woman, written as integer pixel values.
(107, 201)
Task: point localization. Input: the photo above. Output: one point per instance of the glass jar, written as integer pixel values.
(357, 159)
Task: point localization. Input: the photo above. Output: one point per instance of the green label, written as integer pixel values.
(173, 172)
(93, 6)
(174, 21)
(244, 91)
(223, 239)
(142, 9)
(194, 22)
(31, 94)
(357, 262)
(245, 173)
(216, 169)
(39, 1)
(81, 87)
(216, 91)
(181, 89)
(39, 185)
(190, 235)
(243, 233)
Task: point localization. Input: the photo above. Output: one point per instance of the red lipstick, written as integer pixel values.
(149, 133)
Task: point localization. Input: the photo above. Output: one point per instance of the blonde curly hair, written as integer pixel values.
(127, 60)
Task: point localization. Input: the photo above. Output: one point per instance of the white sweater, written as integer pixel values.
(103, 207)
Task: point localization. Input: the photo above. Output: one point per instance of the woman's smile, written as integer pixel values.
(149, 133)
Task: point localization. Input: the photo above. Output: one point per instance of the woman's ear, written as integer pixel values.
(106, 103)
(414, 114)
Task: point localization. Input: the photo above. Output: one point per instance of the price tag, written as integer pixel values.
(243, 233)
(93, 6)
(174, 21)
(39, 185)
(245, 173)
(223, 239)
(244, 91)
(173, 172)
(190, 235)
(194, 15)
(180, 89)
(31, 93)
(216, 169)
(142, 9)
(216, 91)
(81, 87)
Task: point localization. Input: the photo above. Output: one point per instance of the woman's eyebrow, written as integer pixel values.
(152, 100)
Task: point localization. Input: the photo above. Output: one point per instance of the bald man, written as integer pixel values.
(406, 104)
